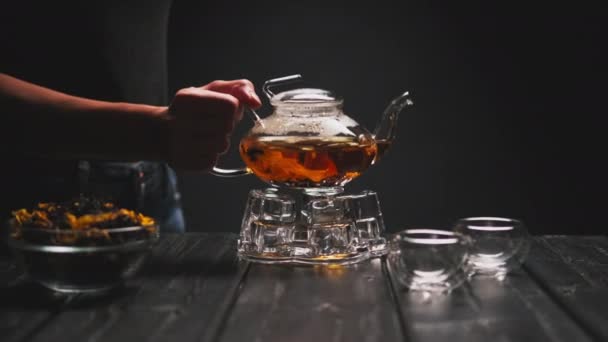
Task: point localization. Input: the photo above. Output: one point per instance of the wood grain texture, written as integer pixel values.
(574, 269)
(25, 308)
(174, 298)
(485, 309)
(285, 303)
(194, 289)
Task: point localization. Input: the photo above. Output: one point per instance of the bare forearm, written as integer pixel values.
(41, 122)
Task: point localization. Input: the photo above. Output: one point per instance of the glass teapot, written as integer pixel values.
(308, 141)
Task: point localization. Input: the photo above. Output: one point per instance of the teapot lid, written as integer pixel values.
(305, 96)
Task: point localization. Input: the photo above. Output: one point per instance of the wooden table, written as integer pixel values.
(194, 289)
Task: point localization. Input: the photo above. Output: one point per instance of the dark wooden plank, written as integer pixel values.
(25, 308)
(484, 309)
(286, 303)
(574, 269)
(174, 299)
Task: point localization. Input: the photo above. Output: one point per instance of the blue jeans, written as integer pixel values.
(150, 188)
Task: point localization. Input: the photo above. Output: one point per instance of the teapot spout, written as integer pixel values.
(386, 130)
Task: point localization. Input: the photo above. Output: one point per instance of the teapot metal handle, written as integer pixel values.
(229, 173)
(278, 81)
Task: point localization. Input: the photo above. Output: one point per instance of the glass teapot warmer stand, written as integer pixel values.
(311, 226)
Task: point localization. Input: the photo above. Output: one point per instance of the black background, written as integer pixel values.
(508, 99)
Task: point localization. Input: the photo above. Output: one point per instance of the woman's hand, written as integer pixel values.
(202, 119)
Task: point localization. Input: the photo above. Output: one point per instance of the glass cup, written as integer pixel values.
(428, 260)
(268, 225)
(499, 245)
(364, 210)
(331, 232)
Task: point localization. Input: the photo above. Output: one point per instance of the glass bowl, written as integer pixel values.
(429, 260)
(81, 261)
(499, 244)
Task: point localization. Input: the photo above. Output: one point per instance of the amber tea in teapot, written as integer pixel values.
(308, 162)
(309, 142)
